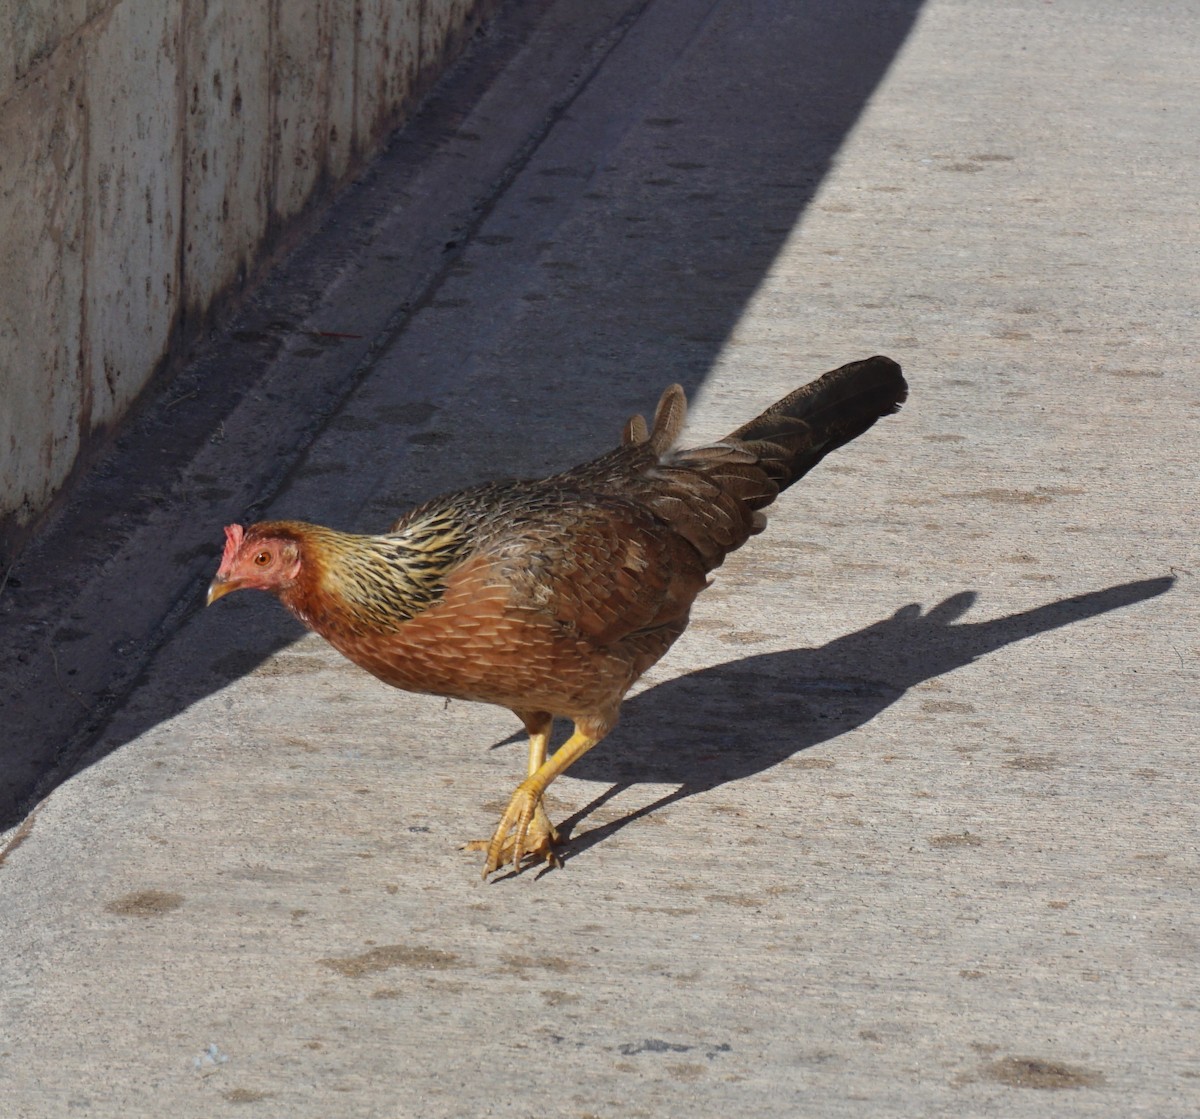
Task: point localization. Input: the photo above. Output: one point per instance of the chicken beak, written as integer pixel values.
(218, 588)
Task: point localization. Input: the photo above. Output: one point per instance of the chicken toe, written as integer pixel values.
(524, 829)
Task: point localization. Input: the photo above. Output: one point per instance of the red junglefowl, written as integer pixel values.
(552, 597)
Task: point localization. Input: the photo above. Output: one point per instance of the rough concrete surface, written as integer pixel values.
(905, 825)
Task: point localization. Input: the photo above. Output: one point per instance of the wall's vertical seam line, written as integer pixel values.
(87, 238)
(355, 77)
(271, 212)
(183, 22)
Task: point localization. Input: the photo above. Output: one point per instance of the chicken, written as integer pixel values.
(552, 597)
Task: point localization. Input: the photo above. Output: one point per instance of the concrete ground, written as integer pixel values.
(905, 825)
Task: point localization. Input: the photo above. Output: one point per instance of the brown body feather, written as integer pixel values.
(552, 597)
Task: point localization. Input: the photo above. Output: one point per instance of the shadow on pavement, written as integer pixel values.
(739, 718)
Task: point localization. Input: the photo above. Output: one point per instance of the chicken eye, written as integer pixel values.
(262, 559)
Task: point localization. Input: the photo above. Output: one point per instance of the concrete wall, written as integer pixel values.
(152, 152)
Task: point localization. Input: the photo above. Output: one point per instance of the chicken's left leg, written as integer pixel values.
(540, 835)
(525, 810)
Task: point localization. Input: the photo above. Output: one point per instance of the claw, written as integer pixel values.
(524, 829)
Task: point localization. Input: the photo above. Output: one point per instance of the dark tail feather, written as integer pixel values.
(793, 435)
(712, 495)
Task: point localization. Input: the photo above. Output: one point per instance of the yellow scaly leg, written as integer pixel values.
(540, 835)
(525, 814)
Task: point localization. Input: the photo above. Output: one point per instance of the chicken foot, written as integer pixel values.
(525, 829)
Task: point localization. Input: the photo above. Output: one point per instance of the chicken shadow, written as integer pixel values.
(739, 718)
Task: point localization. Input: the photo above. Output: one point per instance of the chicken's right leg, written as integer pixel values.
(541, 835)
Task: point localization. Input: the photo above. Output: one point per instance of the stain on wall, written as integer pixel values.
(152, 155)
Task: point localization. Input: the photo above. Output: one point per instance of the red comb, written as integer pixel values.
(234, 534)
